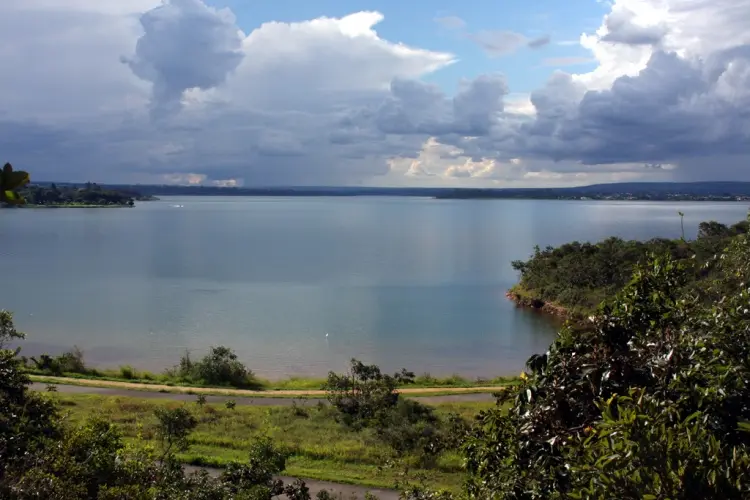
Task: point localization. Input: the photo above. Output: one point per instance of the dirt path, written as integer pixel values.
(246, 392)
(345, 491)
(241, 399)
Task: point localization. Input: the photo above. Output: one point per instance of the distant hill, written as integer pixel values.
(729, 191)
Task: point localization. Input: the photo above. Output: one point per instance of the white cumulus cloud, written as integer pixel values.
(175, 90)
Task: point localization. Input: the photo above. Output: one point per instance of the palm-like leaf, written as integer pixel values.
(10, 181)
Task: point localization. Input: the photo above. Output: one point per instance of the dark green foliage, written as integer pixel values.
(578, 276)
(651, 400)
(10, 183)
(8, 330)
(257, 475)
(220, 367)
(90, 194)
(364, 393)
(173, 428)
(26, 419)
(68, 362)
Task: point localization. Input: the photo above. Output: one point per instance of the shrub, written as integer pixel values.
(174, 427)
(364, 393)
(68, 362)
(128, 372)
(219, 367)
(366, 398)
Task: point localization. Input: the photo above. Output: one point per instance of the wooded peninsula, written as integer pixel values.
(573, 279)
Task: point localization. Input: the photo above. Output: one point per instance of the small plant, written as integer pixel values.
(231, 404)
(299, 411)
(128, 372)
(51, 388)
(200, 400)
(173, 428)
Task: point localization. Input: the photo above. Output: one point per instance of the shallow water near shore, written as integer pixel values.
(298, 286)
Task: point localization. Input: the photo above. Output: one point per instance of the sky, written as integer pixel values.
(485, 93)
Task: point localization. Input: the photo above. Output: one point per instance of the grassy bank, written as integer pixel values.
(321, 448)
(212, 372)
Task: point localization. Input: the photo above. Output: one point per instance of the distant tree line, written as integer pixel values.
(90, 194)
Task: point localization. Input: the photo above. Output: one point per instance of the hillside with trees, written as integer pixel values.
(572, 279)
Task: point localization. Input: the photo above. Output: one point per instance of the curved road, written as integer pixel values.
(240, 400)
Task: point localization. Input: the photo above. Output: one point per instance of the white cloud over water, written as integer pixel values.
(151, 91)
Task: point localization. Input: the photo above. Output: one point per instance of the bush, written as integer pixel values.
(364, 393)
(173, 428)
(220, 367)
(68, 362)
(128, 372)
(366, 398)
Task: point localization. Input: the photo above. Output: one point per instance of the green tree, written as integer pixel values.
(10, 182)
(364, 393)
(173, 428)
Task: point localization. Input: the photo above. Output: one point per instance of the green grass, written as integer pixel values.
(321, 448)
(129, 374)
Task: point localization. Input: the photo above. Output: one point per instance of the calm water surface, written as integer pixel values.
(406, 282)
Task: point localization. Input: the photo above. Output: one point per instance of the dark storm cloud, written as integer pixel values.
(415, 107)
(186, 45)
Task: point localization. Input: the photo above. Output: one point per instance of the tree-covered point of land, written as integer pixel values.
(575, 277)
(90, 194)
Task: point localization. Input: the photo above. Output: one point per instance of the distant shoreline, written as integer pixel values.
(627, 191)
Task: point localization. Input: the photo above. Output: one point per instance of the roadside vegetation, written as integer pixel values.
(573, 279)
(219, 368)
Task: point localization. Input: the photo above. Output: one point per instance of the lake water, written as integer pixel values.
(401, 282)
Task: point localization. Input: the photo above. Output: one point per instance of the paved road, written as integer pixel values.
(345, 491)
(262, 401)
